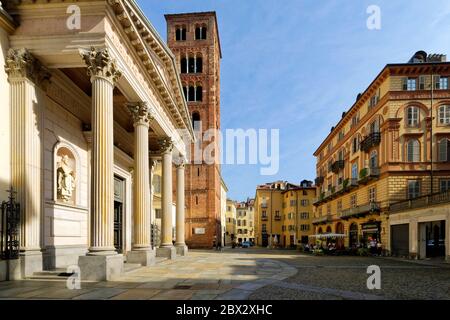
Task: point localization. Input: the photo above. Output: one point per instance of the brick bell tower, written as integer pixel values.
(194, 40)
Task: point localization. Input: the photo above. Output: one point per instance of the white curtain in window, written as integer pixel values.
(413, 151)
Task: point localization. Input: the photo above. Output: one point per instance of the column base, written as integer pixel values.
(143, 257)
(182, 249)
(30, 262)
(166, 252)
(10, 270)
(100, 268)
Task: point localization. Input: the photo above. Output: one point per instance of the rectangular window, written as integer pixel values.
(411, 84)
(422, 83)
(444, 115)
(305, 216)
(413, 116)
(445, 185)
(354, 200)
(264, 228)
(339, 206)
(372, 194)
(355, 172)
(413, 189)
(441, 83)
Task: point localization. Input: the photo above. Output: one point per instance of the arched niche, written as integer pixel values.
(66, 171)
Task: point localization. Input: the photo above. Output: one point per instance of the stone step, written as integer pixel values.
(160, 260)
(129, 267)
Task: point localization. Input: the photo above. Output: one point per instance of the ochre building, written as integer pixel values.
(284, 213)
(392, 145)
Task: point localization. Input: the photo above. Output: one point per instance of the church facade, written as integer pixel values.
(93, 111)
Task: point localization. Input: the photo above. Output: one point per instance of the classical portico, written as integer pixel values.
(94, 104)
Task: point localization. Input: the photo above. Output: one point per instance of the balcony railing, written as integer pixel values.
(338, 166)
(367, 174)
(264, 205)
(319, 181)
(368, 208)
(322, 220)
(372, 140)
(264, 218)
(421, 202)
(277, 218)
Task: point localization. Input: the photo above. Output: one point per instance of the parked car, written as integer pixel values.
(246, 244)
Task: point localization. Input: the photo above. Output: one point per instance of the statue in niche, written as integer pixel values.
(65, 180)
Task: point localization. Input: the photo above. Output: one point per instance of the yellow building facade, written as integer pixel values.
(391, 145)
(245, 221)
(283, 214)
(230, 217)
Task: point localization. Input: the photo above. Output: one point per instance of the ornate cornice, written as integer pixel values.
(20, 63)
(100, 64)
(140, 111)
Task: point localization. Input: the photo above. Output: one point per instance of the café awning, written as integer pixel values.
(328, 235)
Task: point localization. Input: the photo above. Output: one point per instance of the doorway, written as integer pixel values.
(434, 239)
(118, 213)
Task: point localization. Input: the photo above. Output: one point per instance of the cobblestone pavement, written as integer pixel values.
(202, 275)
(254, 274)
(339, 278)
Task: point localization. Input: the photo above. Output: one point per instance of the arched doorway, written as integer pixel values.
(329, 229)
(353, 235)
(320, 231)
(340, 230)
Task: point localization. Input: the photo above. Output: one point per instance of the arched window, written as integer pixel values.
(200, 32)
(329, 229)
(374, 159)
(412, 116)
(191, 65)
(199, 65)
(180, 33)
(375, 127)
(199, 93)
(320, 231)
(444, 115)
(355, 144)
(184, 65)
(413, 150)
(191, 93)
(444, 150)
(196, 121)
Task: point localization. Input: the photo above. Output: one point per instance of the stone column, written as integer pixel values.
(102, 261)
(166, 249)
(142, 250)
(25, 74)
(180, 221)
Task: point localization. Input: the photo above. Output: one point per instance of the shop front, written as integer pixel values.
(371, 231)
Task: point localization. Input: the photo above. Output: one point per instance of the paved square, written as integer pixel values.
(254, 274)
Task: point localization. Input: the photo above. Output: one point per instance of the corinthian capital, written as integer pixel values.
(141, 112)
(20, 63)
(100, 64)
(166, 145)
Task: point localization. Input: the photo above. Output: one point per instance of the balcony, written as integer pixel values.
(338, 166)
(372, 140)
(264, 218)
(322, 220)
(277, 218)
(367, 174)
(421, 202)
(360, 211)
(264, 205)
(319, 181)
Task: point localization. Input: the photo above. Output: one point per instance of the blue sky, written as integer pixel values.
(296, 65)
